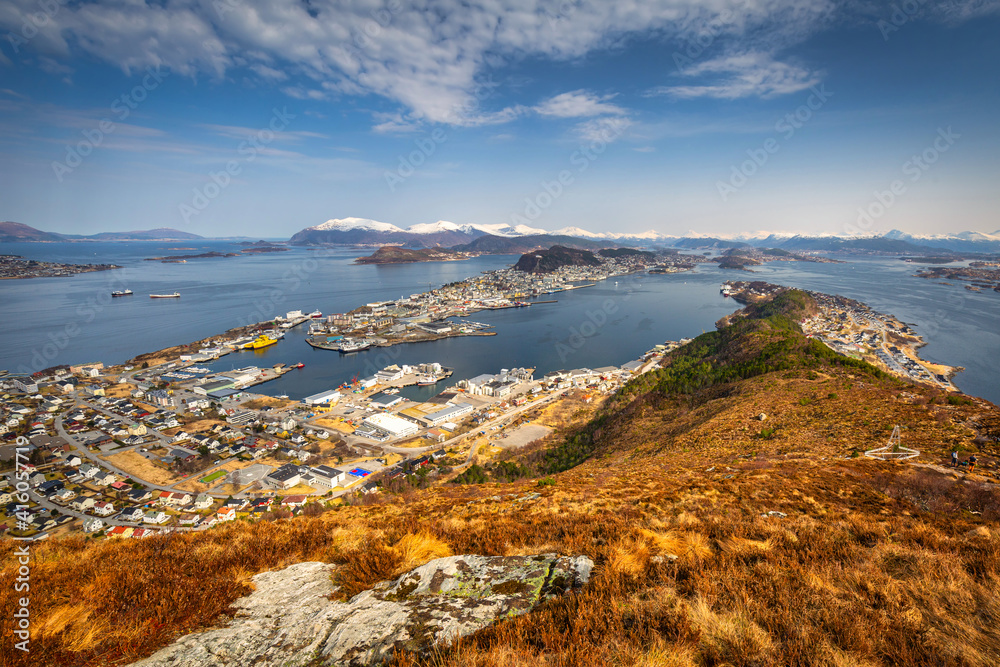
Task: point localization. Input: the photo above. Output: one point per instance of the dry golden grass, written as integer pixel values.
(136, 465)
(267, 402)
(713, 545)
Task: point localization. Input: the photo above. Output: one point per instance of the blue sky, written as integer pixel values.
(259, 118)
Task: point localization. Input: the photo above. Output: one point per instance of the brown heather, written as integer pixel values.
(872, 564)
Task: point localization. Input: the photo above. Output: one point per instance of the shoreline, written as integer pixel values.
(848, 327)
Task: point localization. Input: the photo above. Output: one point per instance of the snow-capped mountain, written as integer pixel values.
(436, 227)
(958, 242)
(351, 224)
(507, 230)
(579, 233)
(363, 231)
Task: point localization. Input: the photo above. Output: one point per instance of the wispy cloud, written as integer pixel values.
(425, 58)
(743, 75)
(578, 104)
(606, 129)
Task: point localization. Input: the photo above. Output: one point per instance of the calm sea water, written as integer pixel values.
(51, 321)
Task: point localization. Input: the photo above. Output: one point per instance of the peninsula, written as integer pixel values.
(16, 267)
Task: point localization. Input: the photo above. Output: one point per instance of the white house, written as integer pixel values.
(92, 525)
(155, 517)
(131, 514)
(83, 504)
(102, 508)
(104, 479)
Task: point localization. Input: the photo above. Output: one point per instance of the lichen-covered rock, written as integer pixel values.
(289, 620)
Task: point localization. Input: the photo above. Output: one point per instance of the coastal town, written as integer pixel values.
(131, 450)
(15, 266)
(163, 443)
(978, 276)
(855, 330)
(127, 453)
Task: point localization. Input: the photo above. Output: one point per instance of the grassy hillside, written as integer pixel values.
(397, 255)
(555, 258)
(720, 538)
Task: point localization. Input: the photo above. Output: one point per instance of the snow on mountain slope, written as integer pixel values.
(348, 224)
(581, 233)
(434, 227)
(504, 230)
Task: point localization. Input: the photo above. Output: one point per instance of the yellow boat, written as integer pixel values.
(263, 341)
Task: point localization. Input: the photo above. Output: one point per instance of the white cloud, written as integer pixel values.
(958, 11)
(743, 75)
(394, 123)
(578, 104)
(427, 57)
(607, 129)
(268, 73)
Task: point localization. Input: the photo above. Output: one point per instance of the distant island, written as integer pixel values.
(17, 267)
(931, 260)
(398, 255)
(184, 258)
(555, 258)
(17, 232)
(743, 257)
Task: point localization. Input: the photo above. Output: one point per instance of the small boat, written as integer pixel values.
(127, 292)
(175, 295)
(354, 346)
(300, 365)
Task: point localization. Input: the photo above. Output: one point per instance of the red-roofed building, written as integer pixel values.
(293, 501)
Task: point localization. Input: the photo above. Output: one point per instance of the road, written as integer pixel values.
(486, 426)
(97, 460)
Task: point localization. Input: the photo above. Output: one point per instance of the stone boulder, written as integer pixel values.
(290, 620)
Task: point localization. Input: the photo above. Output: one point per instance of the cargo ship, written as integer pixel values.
(425, 380)
(127, 292)
(175, 295)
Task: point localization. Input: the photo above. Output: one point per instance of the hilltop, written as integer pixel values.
(553, 259)
(723, 496)
(397, 255)
(15, 232)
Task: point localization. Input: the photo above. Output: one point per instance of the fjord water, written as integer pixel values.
(70, 320)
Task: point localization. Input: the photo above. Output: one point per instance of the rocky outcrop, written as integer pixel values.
(291, 621)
